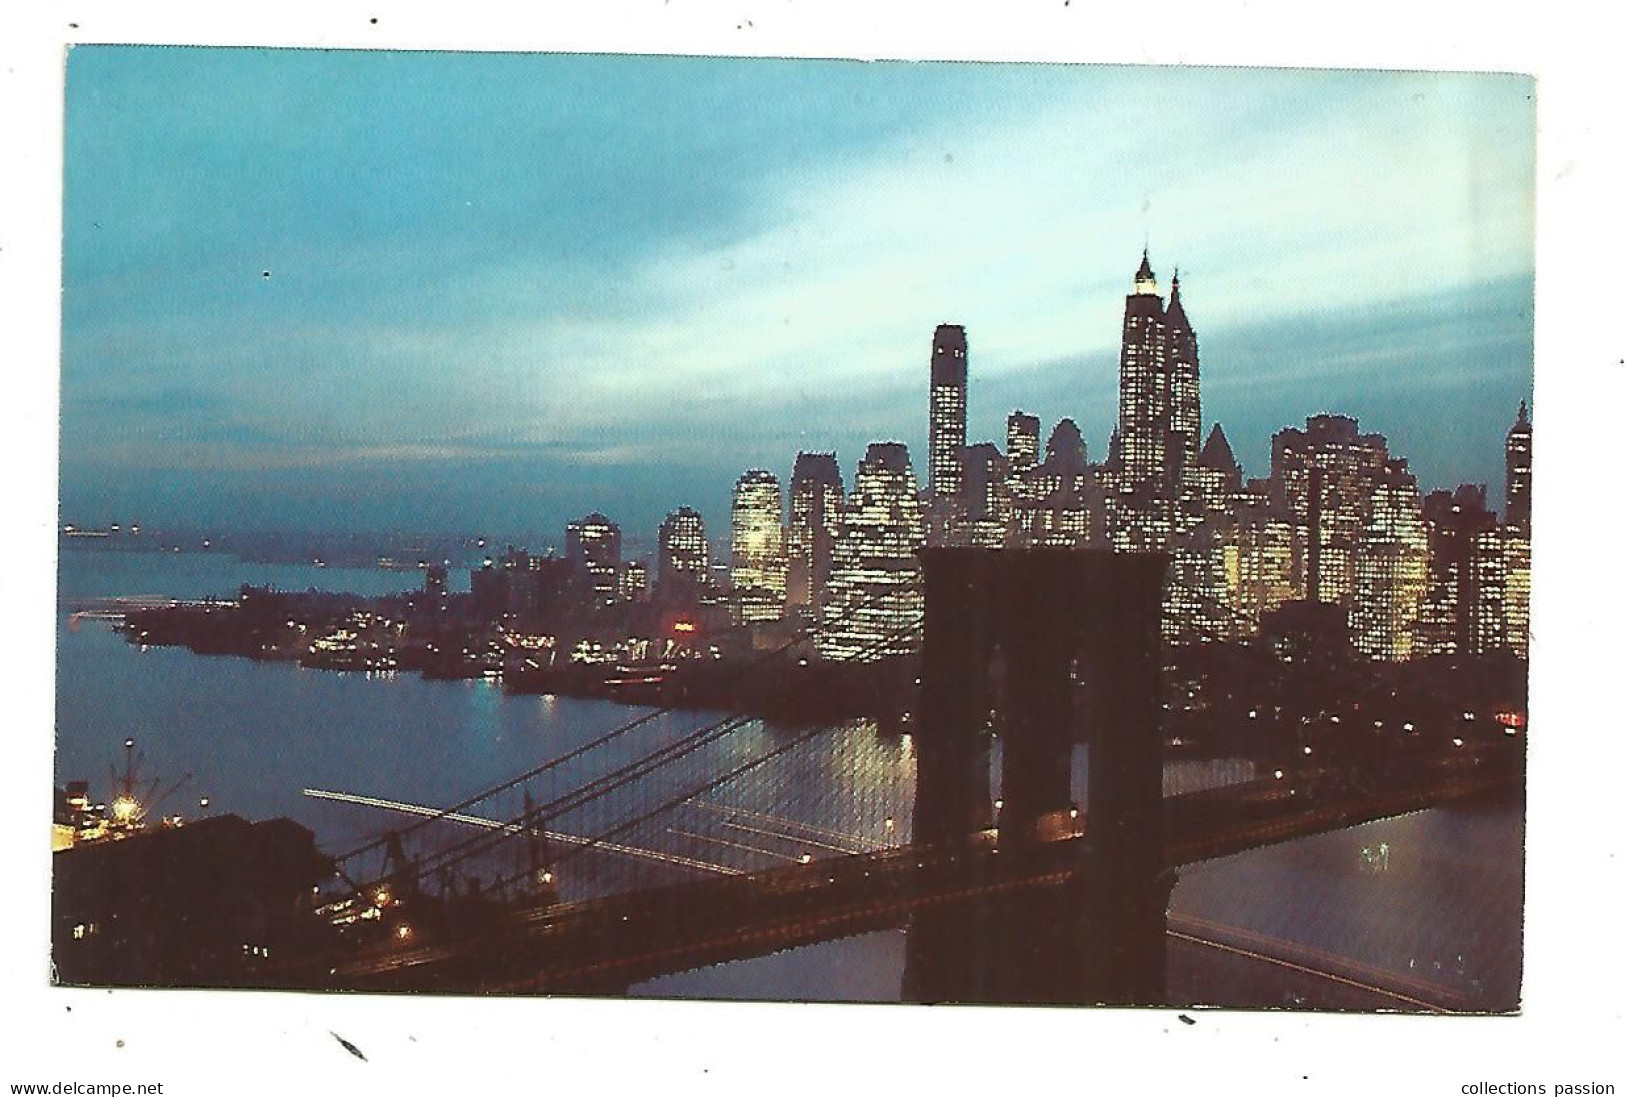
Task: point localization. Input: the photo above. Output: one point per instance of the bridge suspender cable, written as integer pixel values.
(723, 778)
(601, 786)
(610, 782)
(616, 732)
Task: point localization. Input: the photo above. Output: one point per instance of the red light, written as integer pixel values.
(1507, 718)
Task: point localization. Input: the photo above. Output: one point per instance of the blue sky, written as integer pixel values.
(492, 292)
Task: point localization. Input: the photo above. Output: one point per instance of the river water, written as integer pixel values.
(1425, 908)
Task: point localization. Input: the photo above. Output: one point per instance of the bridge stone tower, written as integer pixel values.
(1012, 639)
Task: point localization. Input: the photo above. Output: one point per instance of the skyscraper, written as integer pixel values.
(1486, 592)
(758, 547)
(685, 557)
(1021, 451)
(1021, 441)
(1390, 566)
(1325, 476)
(1051, 509)
(1520, 444)
(948, 378)
(634, 581)
(593, 544)
(1516, 533)
(1142, 393)
(1262, 565)
(1455, 521)
(1517, 592)
(1159, 416)
(874, 589)
(986, 492)
(816, 500)
(1184, 386)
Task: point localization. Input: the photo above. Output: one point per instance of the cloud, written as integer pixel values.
(678, 289)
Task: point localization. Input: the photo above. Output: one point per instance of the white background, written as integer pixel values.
(207, 1043)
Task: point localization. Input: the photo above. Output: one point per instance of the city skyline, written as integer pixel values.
(1063, 315)
(170, 414)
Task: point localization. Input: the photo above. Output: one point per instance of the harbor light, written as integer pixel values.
(403, 931)
(124, 809)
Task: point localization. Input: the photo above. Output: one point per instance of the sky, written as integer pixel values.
(443, 292)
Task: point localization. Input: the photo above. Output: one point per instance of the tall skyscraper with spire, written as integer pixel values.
(1142, 392)
(1520, 443)
(1184, 385)
(1159, 416)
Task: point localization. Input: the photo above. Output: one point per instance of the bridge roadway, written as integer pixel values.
(605, 945)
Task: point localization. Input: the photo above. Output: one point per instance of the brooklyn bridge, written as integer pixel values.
(642, 853)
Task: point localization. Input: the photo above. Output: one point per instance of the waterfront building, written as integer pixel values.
(874, 587)
(816, 500)
(685, 556)
(759, 564)
(1519, 458)
(436, 582)
(634, 581)
(593, 545)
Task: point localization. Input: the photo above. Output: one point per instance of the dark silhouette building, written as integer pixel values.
(685, 555)
(593, 544)
(211, 903)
